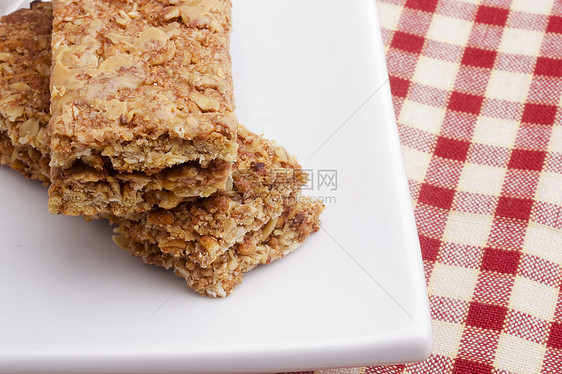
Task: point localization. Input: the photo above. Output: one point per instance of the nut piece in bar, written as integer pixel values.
(141, 102)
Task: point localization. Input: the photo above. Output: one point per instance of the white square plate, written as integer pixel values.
(310, 74)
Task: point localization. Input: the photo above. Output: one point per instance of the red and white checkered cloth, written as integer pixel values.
(477, 87)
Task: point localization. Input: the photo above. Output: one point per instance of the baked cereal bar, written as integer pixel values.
(297, 222)
(264, 181)
(210, 241)
(142, 104)
(25, 60)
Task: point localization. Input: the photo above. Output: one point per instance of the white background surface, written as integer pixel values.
(311, 75)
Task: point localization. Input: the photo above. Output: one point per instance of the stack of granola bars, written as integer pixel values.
(125, 110)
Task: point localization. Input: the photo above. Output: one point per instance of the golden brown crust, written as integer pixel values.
(139, 87)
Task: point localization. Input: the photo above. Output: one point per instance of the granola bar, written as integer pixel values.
(265, 180)
(260, 218)
(25, 59)
(296, 223)
(218, 279)
(141, 103)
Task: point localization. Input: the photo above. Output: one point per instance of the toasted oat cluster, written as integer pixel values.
(259, 216)
(141, 102)
(25, 60)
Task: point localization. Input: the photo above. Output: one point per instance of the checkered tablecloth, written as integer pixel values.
(477, 87)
